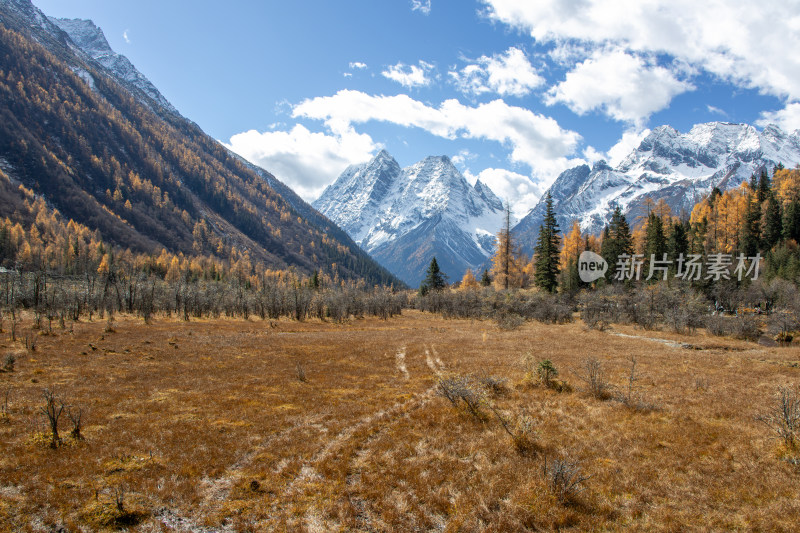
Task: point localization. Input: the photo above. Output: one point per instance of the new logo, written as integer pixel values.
(591, 266)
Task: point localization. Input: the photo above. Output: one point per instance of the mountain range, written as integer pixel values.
(405, 216)
(88, 133)
(680, 168)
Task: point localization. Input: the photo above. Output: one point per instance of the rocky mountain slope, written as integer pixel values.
(82, 128)
(405, 216)
(680, 168)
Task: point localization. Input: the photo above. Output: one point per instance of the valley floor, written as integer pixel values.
(207, 426)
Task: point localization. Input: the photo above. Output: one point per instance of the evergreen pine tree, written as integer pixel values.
(772, 222)
(617, 240)
(434, 278)
(655, 243)
(764, 186)
(791, 221)
(546, 253)
(485, 279)
(751, 229)
(678, 242)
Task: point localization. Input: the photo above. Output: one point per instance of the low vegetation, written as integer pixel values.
(415, 422)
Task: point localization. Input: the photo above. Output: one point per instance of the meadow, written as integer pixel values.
(415, 423)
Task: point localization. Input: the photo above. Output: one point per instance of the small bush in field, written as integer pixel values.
(8, 362)
(509, 321)
(522, 431)
(717, 325)
(493, 384)
(746, 328)
(594, 376)
(564, 478)
(300, 372)
(783, 417)
(546, 372)
(462, 394)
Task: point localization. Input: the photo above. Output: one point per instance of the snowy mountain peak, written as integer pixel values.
(405, 216)
(91, 41)
(676, 167)
(85, 34)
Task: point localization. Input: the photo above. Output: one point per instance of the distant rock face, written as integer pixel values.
(679, 168)
(405, 216)
(91, 40)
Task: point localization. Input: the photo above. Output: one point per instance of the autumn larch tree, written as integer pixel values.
(506, 266)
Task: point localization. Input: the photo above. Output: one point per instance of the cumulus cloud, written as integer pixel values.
(534, 139)
(518, 190)
(306, 161)
(629, 141)
(423, 6)
(506, 74)
(409, 75)
(734, 40)
(125, 36)
(788, 118)
(626, 87)
(357, 65)
(717, 111)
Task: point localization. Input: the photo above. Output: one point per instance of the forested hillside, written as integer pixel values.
(94, 151)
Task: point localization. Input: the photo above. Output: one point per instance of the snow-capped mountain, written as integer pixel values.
(405, 216)
(679, 167)
(90, 40)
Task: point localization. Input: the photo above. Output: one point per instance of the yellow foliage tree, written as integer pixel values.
(469, 281)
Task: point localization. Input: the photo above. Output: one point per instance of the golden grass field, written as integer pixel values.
(205, 426)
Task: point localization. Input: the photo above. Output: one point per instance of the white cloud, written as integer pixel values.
(125, 36)
(462, 157)
(304, 160)
(357, 65)
(626, 87)
(736, 40)
(509, 73)
(423, 6)
(534, 139)
(716, 110)
(629, 141)
(409, 75)
(788, 118)
(520, 191)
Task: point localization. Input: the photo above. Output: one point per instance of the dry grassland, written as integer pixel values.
(205, 426)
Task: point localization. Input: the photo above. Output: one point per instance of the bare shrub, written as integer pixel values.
(8, 362)
(746, 327)
(549, 310)
(783, 417)
(76, 417)
(52, 410)
(509, 321)
(597, 310)
(594, 376)
(783, 325)
(462, 394)
(717, 325)
(493, 384)
(4, 410)
(521, 432)
(300, 372)
(564, 478)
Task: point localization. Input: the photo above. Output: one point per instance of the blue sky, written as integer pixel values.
(515, 91)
